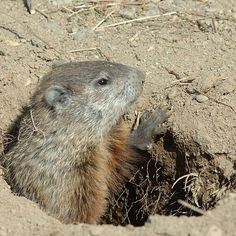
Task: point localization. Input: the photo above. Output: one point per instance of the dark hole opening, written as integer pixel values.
(164, 177)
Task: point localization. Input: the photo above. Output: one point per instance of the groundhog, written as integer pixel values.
(73, 150)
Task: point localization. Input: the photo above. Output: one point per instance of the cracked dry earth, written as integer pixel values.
(189, 56)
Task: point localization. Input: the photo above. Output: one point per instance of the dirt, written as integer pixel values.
(189, 58)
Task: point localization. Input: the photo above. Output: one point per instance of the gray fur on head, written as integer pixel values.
(93, 95)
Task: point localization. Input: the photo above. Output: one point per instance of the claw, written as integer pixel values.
(151, 122)
(145, 116)
(149, 127)
(159, 116)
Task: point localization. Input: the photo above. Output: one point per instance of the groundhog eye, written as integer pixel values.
(102, 81)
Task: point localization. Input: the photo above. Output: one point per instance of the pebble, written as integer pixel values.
(201, 98)
(32, 11)
(12, 43)
(72, 30)
(172, 94)
(129, 13)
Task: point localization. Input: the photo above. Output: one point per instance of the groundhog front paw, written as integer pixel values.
(151, 125)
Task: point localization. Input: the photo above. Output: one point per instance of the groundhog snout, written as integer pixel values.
(134, 84)
(139, 76)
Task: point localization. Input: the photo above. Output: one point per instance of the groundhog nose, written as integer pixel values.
(136, 75)
(141, 76)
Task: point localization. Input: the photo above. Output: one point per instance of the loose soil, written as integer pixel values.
(187, 180)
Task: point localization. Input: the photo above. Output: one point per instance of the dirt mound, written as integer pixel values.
(188, 55)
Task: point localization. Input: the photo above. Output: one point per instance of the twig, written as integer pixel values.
(138, 20)
(171, 72)
(137, 120)
(102, 54)
(214, 25)
(222, 103)
(99, 51)
(82, 6)
(67, 9)
(183, 80)
(35, 128)
(83, 50)
(32, 119)
(43, 14)
(191, 207)
(81, 10)
(178, 77)
(99, 23)
(182, 177)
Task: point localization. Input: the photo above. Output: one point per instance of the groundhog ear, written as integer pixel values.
(57, 97)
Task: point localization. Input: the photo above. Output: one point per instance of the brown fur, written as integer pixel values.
(71, 156)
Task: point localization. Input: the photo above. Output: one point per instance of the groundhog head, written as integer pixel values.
(95, 94)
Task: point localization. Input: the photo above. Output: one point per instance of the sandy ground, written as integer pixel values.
(189, 58)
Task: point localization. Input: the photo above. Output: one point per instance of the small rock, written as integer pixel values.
(23, 40)
(172, 94)
(28, 82)
(201, 98)
(205, 25)
(190, 90)
(36, 43)
(128, 13)
(175, 18)
(12, 43)
(72, 30)
(32, 11)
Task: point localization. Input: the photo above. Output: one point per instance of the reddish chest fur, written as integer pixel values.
(112, 160)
